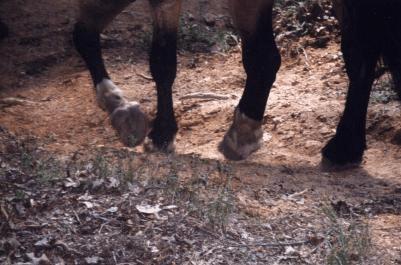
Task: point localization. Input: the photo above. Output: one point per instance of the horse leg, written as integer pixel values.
(261, 60)
(361, 50)
(338, 6)
(3, 30)
(392, 46)
(163, 67)
(126, 117)
(394, 63)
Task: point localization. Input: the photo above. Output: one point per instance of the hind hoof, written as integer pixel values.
(243, 138)
(131, 124)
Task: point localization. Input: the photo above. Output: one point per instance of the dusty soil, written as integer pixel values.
(277, 195)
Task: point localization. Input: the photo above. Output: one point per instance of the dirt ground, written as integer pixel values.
(269, 209)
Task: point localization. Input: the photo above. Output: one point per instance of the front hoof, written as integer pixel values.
(161, 139)
(242, 139)
(151, 147)
(339, 155)
(131, 124)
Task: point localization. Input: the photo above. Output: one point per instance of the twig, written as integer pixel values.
(201, 95)
(101, 227)
(306, 57)
(144, 76)
(298, 194)
(6, 216)
(272, 245)
(9, 102)
(76, 216)
(66, 248)
(4, 212)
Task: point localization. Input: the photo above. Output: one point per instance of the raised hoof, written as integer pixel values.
(131, 123)
(242, 139)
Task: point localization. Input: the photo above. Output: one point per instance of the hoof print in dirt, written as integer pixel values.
(131, 124)
(242, 139)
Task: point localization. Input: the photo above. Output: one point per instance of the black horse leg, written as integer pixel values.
(392, 46)
(126, 117)
(163, 66)
(361, 51)
(261, 61)
(3, 30)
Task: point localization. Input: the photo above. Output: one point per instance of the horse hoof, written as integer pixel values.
(131, 124)
(162, 136)
(243, 138)
(151, 147)
(327, 165)
(342, 154)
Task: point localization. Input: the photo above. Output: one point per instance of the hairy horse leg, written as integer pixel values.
(361, 49)
(261, 61)
(163, 66)
(126, 117)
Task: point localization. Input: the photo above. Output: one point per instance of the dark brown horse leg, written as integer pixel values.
(126, 117)
(163, 66)
(261, 61)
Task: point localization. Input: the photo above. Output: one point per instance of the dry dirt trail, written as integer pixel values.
(50, 96)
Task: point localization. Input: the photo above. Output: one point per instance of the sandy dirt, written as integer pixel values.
(54, 101)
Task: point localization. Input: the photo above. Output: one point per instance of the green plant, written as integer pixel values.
(48, 170)
(348, 241)
(219, 210)
(101, 166)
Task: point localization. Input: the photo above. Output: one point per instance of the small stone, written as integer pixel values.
(93, 260)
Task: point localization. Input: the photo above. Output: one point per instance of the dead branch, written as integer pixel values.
(9, 102)
(144, 76)
(200, 95)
